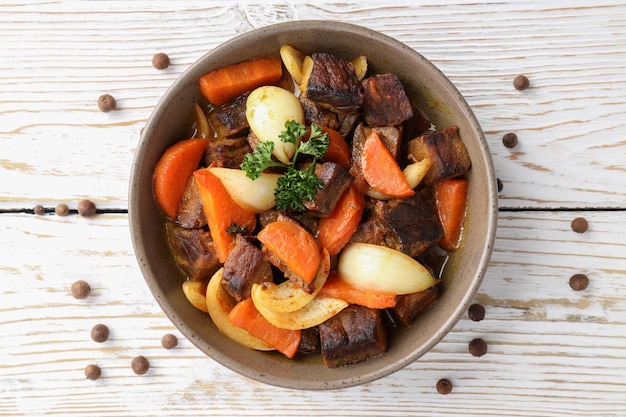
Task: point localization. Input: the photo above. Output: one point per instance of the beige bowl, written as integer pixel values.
(444, 106)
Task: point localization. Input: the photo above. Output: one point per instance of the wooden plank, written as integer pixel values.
(59, 57)
(552, 351)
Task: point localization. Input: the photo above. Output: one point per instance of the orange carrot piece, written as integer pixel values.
(337, 288)
(246, 316)
(335, 230)
(380, 169)
(294, 246)
(338, 149)
(451, 198)
(224, 84)
(172, 172)
(221, 211)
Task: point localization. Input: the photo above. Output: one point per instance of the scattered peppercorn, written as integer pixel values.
(93, 372)
(521, 82)
(579, 282)
(160, 61)
(169, 341)
(477, 347)
(510, 140)
(140, 365)
(80, 289)
(476, 312)
(106, 103)
(500, 184)
(62, 210)
(39, 210)
(86, 208)
(100, 333)
(444, 386)
(580, 225)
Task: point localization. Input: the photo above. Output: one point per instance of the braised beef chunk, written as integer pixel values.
(190, 213)
(310, 341)
(335, 180)
(233, 116)
(355, 334)
(447, 151)
(408, 306)
(391, 137)
(316, 113)
(384, 101)
(194, 251)
(244, 266)
(228, 153)
(333, 83)
(410, 225)
(413, 222)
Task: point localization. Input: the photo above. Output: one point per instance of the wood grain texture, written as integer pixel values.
(552, 351)
(59, 57)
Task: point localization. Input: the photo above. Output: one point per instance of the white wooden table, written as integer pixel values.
(553, 351)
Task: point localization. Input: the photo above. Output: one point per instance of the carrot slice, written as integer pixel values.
(335, 230)
(337, 288)
(246, 316)
(222, 212)
(338, 149)
(380, 169)
(451, 198)
(172, 172)
(294, 246)
(224, 84)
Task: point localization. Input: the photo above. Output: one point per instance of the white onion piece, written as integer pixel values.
(255, 196)
(267, 110)
(377, 268)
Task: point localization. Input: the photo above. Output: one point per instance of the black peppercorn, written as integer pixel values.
(100, 333)
(169, 341)
(86, 208)
(500, 184)
(444, 386)
(160, 61)
(93, 372)
(80, 289)
(579, 282)
(477, 347)
(580, 225)
(140, 365)
(39, 210)
(510, 140)
(476, 312)
(521, 82)
(62, 210)
(106, 103)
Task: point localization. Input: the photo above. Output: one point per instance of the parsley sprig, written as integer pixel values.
(295, 187)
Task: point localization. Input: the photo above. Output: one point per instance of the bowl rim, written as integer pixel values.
(288, 382)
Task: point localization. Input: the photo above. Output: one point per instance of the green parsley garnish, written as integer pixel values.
(295, 186)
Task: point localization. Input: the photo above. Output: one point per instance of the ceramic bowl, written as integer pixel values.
(443, 105)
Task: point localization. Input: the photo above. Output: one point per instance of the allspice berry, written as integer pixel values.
(100, 333)
(579, 282)
(169, 341)
(80, 289)
(510, 140)
(580, 225)
(106, 103)
(476, 312)
(444, 386)
(93, 372)
(160, 61)
(140, 365)
(500, 184)
(477, 347)
(39, 210)
(62, 210)
(521, 82)
(86, 208)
